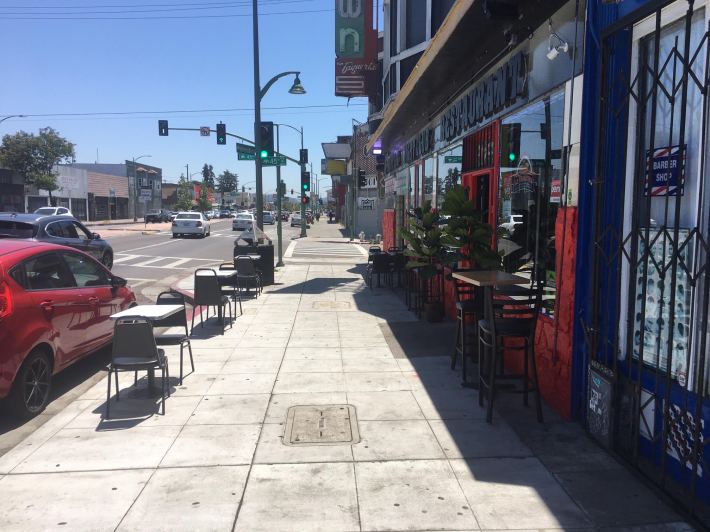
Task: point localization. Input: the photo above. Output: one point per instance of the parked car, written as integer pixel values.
(191, 223)
(55, 308)
(173, 214)
(511, 223)
(58, 229)
(243, 221)
(54, 211)
(295, 219)
(157, 216)
(269, 218)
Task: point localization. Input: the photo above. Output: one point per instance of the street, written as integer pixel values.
(153, 261)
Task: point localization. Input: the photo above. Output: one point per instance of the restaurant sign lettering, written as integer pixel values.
(491, 95)
(417, 147)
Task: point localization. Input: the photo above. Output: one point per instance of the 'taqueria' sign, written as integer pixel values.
(487, 97)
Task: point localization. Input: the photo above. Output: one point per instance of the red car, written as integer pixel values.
(55, 308)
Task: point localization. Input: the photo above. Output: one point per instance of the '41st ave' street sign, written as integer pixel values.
(247, 153)
(276, 160)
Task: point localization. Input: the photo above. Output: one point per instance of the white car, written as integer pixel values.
(243, 221)
(191, 223)
(54, 211)
(295, 219)
(513, 221)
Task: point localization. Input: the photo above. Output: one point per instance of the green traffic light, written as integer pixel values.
(305, 187)
(264, 154)
(511, 156)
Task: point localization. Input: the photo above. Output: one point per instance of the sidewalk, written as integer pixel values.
(227, 455)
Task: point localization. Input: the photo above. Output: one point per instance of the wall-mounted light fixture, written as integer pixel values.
(555, 45)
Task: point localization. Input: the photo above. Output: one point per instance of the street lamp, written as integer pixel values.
(23, 116)
(259, 94)
(135, 187)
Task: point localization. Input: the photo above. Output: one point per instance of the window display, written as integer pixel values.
(529, 191)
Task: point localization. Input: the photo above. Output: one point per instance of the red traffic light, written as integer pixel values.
(304, 199)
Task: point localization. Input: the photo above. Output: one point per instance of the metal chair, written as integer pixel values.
(178, 319)
(382, 263)
(247, 272)
(467, 306)
(231, 284)
(134, 349)
(208, 292)
(515, 312)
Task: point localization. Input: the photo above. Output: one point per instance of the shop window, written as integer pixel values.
(415, 22)
(406, 66)
(412, 204)
(448, 172)
(428, 180)
(394, 50)
(528, 195)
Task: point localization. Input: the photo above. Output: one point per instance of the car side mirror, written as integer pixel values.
(95, 236)
(118, 282)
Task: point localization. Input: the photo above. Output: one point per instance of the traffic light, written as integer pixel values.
(303, 156)
(163, 128)
(221, 133)
(267, 140)
(305, 181)
(305, 199)
(511, 145)
(361, 179)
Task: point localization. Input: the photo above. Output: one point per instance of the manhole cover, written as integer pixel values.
(321, 425)
(331, 305)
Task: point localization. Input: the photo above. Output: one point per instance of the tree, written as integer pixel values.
(34, 156)
(208, 175)
(227, 182)
(184, 198)
(203, 202)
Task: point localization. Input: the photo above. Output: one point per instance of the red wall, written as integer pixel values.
(389, 231)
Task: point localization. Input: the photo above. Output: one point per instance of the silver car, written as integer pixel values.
(242, 222)
(191, 223)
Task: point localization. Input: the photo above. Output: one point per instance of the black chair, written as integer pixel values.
(230, 284)
(134, 349)
(399, 265)
(373, 250)
(208, 292)
(247, 273)
(382, 263)
(468, 306)
(179, 319)
(515, 312)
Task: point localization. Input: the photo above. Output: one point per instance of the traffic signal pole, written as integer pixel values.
(278, 204)
(257, 119)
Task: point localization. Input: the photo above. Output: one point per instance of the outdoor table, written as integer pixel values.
(486, 279)
(151, 313)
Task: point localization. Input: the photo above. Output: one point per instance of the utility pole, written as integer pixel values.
(257, 119)
(278, 204)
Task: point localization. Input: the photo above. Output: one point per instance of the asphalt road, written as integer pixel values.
(153, 262)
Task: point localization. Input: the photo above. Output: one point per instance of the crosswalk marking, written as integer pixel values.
(172, 263)
(177, 263)
(149, 262)
(124, 258)
(329, 249)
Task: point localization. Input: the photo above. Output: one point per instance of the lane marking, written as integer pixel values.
(171, 241)
(124, 258)
(176, 263)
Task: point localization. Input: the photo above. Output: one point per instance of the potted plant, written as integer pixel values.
(428, 253)
(466, 231)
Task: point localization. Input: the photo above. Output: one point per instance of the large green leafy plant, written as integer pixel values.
(466, 231)
(425, 241)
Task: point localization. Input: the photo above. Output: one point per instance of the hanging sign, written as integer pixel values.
(665, 171)
(355, 49)
(555, 191)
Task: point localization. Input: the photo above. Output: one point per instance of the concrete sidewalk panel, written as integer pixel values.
(321, 365)
(385, 406)
(143, 412)
(411, 495)
(312, 353)
(256, 353)
(465, 438)
(356, 365)
(73, 501)
(300, 497)
(515, 493)
(242, 383)
(213, 445)
(376, 382)
(449, 403)
(396, 440)
(91, 450)
(230, 410)
(310, 382)
(252, 365)
(280, 403)
(188, 499)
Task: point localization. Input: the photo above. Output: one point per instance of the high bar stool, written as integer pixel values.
(467, 306)
(515, 313)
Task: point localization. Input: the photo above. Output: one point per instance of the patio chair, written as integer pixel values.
(247, 273)
(208, 292)
(134, 349)
(382, 263)
(178, 319)
(230, 285)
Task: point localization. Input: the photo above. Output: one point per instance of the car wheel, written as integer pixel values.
(30, 391)
(107, 259)
(174, 235)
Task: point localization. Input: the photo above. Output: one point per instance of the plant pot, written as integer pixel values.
(434, 312)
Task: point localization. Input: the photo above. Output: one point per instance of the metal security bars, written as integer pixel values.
(647, 333)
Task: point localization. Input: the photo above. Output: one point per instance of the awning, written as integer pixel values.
(466, 45)
(335, 150)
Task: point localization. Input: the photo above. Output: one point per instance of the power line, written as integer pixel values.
(234, 2)
(166, 17)
(180, 111)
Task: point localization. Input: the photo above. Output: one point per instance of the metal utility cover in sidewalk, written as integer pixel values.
(321, 425)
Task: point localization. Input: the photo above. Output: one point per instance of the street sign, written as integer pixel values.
(453, 159)
(276, 160)
(242, 156)
(204, 131)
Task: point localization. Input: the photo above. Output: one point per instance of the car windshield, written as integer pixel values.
(244, 216)
(45, 210)
(188, 216)
(13, 229)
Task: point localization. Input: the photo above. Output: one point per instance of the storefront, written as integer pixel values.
(642, 374)
(507, 137)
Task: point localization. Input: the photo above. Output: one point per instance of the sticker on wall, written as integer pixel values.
(681, 431)
(665, 171)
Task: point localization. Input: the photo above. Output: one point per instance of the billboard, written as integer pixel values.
(355, 49)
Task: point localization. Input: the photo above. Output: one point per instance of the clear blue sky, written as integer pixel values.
(139, 64)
